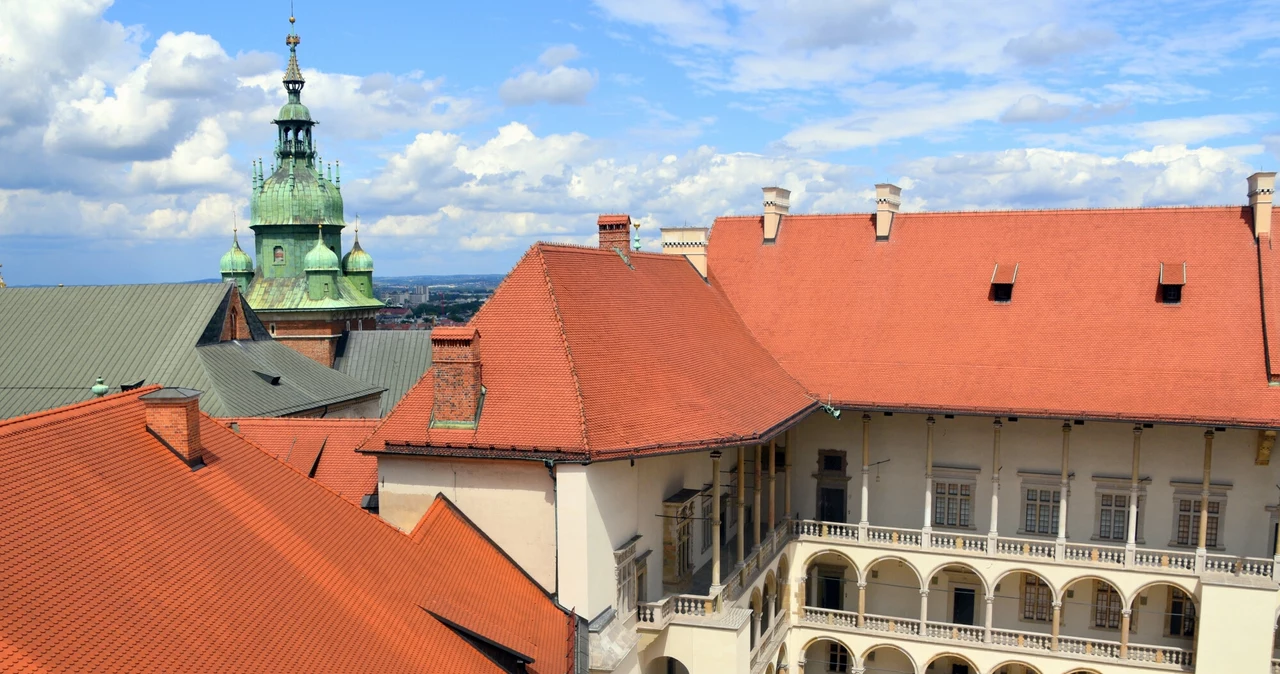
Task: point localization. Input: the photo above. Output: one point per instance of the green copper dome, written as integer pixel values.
(296, 194)
(320, 258)
(236, 261)
(357, 260)
(294, 112)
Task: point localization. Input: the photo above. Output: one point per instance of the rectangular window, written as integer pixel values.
(1182, 614)
(1113, 517)
(1037, 599)
(1041, 507)
(837, 659)
(1106, 606)
(953, 504)
(833, 463)
(706, 520)
(624, 560)
(1187, 527)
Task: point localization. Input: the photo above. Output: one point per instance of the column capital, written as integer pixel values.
(1126, 612)
(1137, 429)
(1057, 605)
(997, 423)
(924, 593)
(1208, 435)
(990, 599)
(715, 455)
(866, 418)
(1066, 427)
(929, 420)
(862, 585)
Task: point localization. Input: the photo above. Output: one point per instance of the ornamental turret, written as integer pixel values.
(321, 265)
(357, 266)
(236, 266)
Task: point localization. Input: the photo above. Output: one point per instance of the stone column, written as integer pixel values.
(742, 506)
(862, 603)
(994, 532)
(1057, 625)
(924, 611)
(1202, 551)
(1131, 540)
(755, 510)
(715, 521)
(1061, 543)
(1125, 614)
(755, 627)
(987, 618)
(786, 474)
(866, 475)
(773, 492)
(926, 532)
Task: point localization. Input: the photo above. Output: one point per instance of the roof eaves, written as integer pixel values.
(1084, 415)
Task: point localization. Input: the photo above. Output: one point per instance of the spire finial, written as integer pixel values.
(293, 80)
(1, 279)
(235, 229)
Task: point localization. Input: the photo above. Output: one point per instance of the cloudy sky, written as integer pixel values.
(466, 131)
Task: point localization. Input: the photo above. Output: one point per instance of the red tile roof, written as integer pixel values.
(907, 323)
(299, 442)
(115, 556)
(587, 353)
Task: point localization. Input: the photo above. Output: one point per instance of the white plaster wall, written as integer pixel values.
(511, 501)
(1097, 448)
(655, 479)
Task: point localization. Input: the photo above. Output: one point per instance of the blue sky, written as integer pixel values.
(467, 131)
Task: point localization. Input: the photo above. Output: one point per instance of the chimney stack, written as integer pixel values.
(455, 356)
(777, 203)
(690, 242)
(173, 416)
(1262, 188)
(888, 198)
(615, 232)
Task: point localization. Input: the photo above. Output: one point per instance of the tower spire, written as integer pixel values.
(293, 81)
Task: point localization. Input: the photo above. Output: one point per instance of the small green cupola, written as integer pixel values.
(322, 268)
(236, 265)
(357, 266)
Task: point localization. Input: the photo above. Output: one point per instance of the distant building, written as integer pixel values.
(305, 295)
(194, 335)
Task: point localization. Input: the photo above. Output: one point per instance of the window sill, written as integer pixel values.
(1211, 548)
(1112, 541)
(1050, 537)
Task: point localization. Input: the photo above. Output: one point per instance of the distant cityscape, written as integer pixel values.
(421, 302)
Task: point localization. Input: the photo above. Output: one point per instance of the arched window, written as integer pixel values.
(278, 253)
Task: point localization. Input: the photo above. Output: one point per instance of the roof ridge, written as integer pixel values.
(6, 424)
(299, 420)
(564, 339)
(1003, 211)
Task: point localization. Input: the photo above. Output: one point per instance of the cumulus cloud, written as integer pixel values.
(1034, 108)
(559, 85)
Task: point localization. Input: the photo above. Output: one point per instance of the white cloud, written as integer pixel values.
(1050, 41)
(560, 85)
(1035, 108)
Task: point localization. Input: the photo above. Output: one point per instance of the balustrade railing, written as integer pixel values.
(954, 632)
(832, 617)
(1165, 559)
(894, 536)
(960, 542)
(1275, 666)
(1016, 639)
(1239, 566)
(1095, 554)
(880, 623)
(1024, 547)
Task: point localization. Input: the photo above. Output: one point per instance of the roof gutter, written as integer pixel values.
(1055, 414)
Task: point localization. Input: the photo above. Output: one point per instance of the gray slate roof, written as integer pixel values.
(392, 359)
(54, 341)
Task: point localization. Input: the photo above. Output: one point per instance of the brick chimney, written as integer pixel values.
(455, 356)
(777, 203)
(1262, 187)
(690, 242)
(888, 198)
(173, 415)
(615, 232)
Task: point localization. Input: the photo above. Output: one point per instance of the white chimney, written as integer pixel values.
(888, 198)
(777, 203)
(690, 242)
(1262, 187)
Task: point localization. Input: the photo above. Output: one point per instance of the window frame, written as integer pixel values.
(961, 477)
(1109, 485)
(278, 260)
(1042, 587)
(626, 591)
(1097, 587)
(838, 658)
(1169, 614)
(1184, 490)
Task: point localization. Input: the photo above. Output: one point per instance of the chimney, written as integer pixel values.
(777, 203)
(1262, 187)
(888, 198)
(614, 232)
(690, 242)
(459, 394)
(173, 416)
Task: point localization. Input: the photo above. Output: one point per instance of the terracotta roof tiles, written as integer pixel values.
(321, 448)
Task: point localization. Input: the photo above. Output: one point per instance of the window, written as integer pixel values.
(1037, 599)
(1187, 526)
(1171, 294)
(1173, 275)
(1002, 292)
(1003, 276)
(831, 462)
(642, 577)
(1113, 517)
(837, 658)
(1111, 502)
(1041, 510)
(706, 520)
(1182, 614)
(1106, 606)
(953, 504)
(624, 560)
(278, 254)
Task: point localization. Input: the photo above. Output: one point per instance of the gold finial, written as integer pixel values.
(291, 19)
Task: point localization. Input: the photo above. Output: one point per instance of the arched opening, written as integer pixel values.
(666, 665)
(1022, 609)
(1165, 614)
(784, 585)
(1093, 612)
(827, 656)
(888, 660)
(769, 600)
(892, 596)
(756, 605)
(951, 663)
(782, 662)
(957, 602)
(831, 583)
(1015, 668)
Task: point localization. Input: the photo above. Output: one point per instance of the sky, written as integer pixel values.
(468, 131)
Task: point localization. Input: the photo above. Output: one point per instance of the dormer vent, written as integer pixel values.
(1173, 275)
(1002, 279)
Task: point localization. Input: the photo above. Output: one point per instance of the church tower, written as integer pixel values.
(298, 287)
